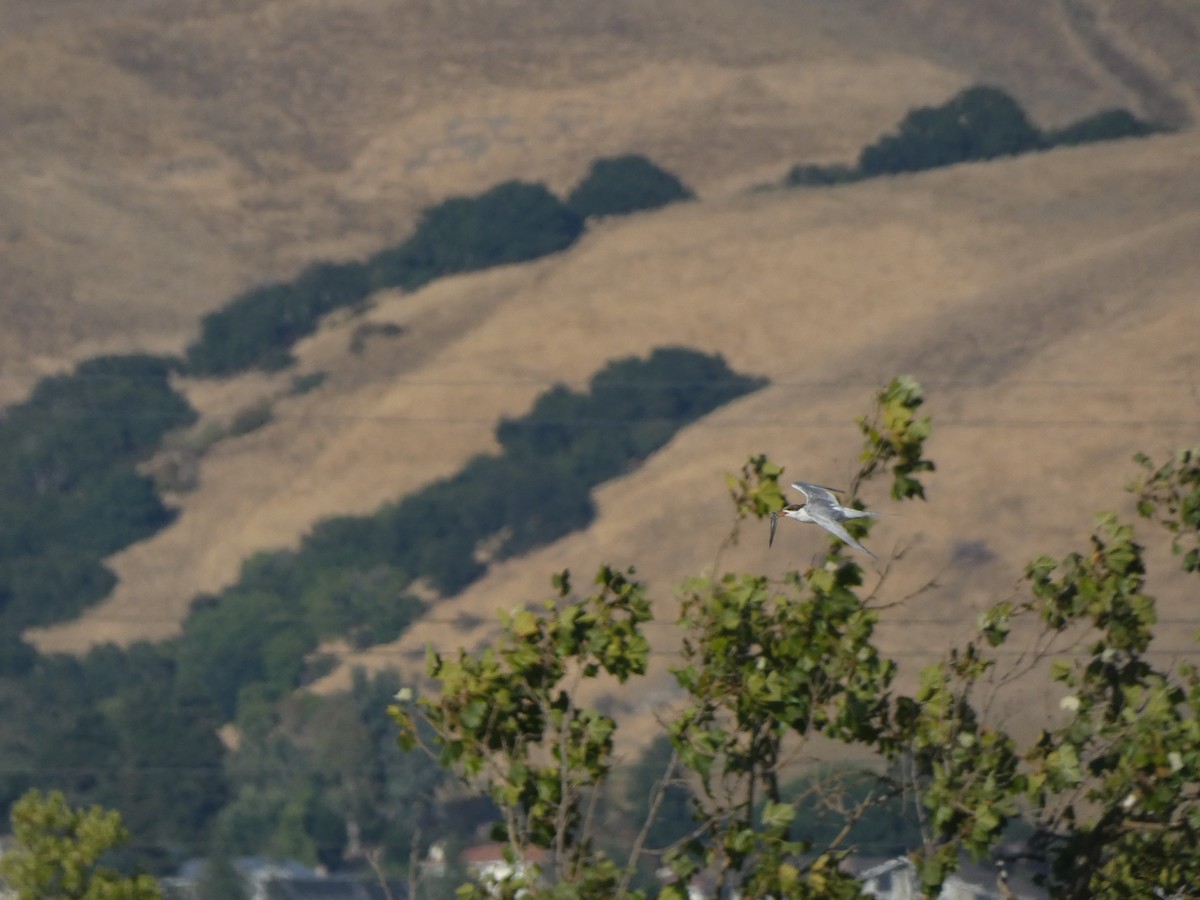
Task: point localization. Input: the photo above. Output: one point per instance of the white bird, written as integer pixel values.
(822, 508)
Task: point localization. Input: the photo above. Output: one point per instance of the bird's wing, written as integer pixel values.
(817, 493)
(821, 517)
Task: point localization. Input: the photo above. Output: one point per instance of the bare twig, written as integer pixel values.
(374, 856)
(656, 803)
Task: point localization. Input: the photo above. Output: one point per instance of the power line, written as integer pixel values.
(909, 652)
(474, 619)
(705, 421)
(902, 653)
(500, 380)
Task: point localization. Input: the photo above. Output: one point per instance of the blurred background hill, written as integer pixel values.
(158, 157)
(157, 160)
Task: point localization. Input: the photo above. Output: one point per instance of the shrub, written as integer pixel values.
(1107, 125)
(309, 382)
(258, 328)
(352, 575)
(978, 123)
(812, 175)
(624, 184)
(513, 222)
(69, 490)
(251, 418)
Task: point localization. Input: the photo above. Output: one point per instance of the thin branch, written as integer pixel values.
(708, 824)
(656, 803)
(566, 791)
(851, 820)
(585, 836)
(375, 853)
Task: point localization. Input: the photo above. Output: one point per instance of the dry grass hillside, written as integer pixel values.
(156, 159)
(1047, 303)
(1051, 353)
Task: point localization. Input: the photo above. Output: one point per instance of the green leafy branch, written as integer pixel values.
(511, 716)
(57, 853)
(1170, 495)
(895, 439)
(1113, 788)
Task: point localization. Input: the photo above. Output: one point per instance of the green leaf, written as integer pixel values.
(475, 713)
(525, 623)
(1061, 670)
(788, 875)
(562, 582)
(778, 815)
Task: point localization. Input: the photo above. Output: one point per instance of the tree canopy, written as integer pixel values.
(619, 185)
(59, 851)
(512, 222)
(258, 328)
(979, 123)
(1106, 125)
(352, 574)
(136, 729)
(70, 491)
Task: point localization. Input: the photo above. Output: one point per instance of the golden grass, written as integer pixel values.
(1055, 339)
(153, 164)
(1048, 302)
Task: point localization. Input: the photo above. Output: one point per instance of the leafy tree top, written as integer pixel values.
(978, 123)
(624, 184)
(59, 853)
(512, 222)
(1106, 125)
(1110, 789)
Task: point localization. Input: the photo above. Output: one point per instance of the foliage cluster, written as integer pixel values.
(1106, 125)
(512, 222)
(257, 329)
(541, 752)
(979, 123)
(320, 779)
(58, 853)
(1109, 790)
(113, 728)
(976, 124)
(136, 730)
(619, 185)
(352, 575)
(70, 491)
(309, 775)
(509, 223)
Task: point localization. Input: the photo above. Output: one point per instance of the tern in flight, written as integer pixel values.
(822, 508)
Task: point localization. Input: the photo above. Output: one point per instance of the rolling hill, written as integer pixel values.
(158, 160)
(154, 159)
